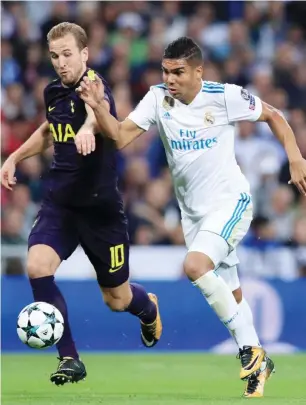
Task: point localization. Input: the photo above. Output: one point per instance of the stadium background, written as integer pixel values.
(260, 46)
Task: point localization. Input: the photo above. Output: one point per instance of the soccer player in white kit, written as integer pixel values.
(196, 121)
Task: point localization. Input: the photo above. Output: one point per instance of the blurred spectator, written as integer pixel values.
(29, 173)
(12, 227)
(59, 13)
(262, 256)
(10, 69)
(130, 27)
(14, 267)
(282, 212)
(258, 160)
(14, 101)
(299, 240)
(21, 200)
(136, 178)
(159, 212)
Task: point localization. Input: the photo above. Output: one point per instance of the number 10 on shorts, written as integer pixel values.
(117, 257)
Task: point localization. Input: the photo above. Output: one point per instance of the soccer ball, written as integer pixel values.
(40, 325)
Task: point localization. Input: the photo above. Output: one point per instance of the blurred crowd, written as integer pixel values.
(258, 45)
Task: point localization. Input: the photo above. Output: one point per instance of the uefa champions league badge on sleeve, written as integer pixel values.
(245, 94)
(252, 102)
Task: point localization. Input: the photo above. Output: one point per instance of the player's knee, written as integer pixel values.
(238, 295)
(117, 298)
(196, 265)
(39, 269)
(115, 304)
(42, 263)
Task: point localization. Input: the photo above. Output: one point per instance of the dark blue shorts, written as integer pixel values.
(103, 237)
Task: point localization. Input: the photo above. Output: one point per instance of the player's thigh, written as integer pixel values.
(53, 238)
(190, 230)
(200, 257)
(211, 240)
(204, 254)
(231, 220)
(230, 276)
(107, 248)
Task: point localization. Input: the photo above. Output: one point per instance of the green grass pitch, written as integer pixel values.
(152, 379)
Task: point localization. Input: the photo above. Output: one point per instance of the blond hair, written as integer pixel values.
(65, 28)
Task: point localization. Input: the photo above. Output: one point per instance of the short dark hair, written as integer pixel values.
(183, 48)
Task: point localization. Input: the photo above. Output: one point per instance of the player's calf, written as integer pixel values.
(238, 295)
(145, 307)
(134, 299)
(116, 304)
(42, 264)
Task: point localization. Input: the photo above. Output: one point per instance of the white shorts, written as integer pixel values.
(229, 275)
(220, 230)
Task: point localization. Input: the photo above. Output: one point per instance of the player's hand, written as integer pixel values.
(298, 175)
(85, 142)
(8, 180)
(91, 91)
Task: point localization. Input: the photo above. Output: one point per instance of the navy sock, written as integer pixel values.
(45, 289)
(141, 305)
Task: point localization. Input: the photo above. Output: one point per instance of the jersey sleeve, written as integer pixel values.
(241, 105)
(144, 114)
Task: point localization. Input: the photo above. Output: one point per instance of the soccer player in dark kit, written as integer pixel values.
(81, 204)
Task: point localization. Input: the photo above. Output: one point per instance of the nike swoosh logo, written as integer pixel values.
(115, 269)
(51, 109)
(147, 342)
(252, 364)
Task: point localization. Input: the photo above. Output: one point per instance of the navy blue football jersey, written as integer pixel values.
(76, 180)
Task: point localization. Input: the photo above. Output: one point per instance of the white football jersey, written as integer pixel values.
(199, 141)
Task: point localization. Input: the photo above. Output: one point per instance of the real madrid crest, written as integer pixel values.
(168, 103)
(209, 119)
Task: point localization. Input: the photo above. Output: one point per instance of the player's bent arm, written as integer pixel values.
(90, 123)
(85, 140)
(128, 131)
(39, 141)
(122, 133)
(282, 130)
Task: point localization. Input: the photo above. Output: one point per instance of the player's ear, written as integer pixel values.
(199, 72)
(84, 53)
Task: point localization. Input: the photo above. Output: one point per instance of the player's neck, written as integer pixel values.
(192, 94)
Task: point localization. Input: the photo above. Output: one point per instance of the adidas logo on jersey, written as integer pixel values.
(167, 116)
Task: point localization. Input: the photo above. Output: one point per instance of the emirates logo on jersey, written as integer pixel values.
(168, 103)
(209, 119)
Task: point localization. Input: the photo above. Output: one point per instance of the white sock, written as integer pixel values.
(247, 312)
(220, 298)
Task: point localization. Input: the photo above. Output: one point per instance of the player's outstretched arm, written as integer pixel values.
(283, 132)
(123, 133)
(40, 140)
